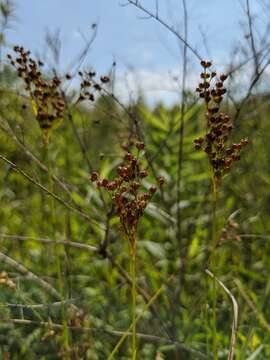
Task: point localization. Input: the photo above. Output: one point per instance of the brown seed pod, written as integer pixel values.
(152, 190)
(140, 145)
(104, 182)
(203, 63)
(143, 173)
(223, 77)
(160, 180)
(104, 79)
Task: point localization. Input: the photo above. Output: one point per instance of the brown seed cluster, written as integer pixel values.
(89, 86)
(46, 98)
(126, 191)
(219, 125)
(229, 232)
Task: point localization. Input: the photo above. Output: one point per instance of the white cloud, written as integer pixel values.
(155, 85)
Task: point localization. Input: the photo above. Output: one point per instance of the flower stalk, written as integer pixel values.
(221, 154)
(130, 199)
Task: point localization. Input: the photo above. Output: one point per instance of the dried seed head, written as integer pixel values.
(152, 190)
(129, 157)
(203, 63)
(97, 87)
(111, 185)
(205, 75)
(104, 182)
(104, 79)
(94, 176)
(160, 180)
(206, 64)
(92, 73)
(45, 94)
(223, 77)
(140, 145)
(219, 124)
(143, 173)
(125, 192)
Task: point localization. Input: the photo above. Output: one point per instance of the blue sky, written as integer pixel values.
(137, 45)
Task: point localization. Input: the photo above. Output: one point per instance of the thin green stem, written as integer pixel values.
(214, 216)
(213, 264)
(52, 226)
(207, 332)
(134, 292)
(133, 277)
(127, 333)
(214, 321)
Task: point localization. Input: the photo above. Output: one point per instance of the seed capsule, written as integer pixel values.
(203, 63)
(104, 79)
(160, 180)
(143, 173)
(105, 182)
(223, 77)
(140, 145)
(152, 190)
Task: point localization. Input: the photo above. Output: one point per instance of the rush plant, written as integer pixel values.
(130, 199)
(221, 152)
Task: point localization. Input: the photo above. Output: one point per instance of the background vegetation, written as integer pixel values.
(64, 270)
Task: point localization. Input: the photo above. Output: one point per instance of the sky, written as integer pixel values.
(147, 56)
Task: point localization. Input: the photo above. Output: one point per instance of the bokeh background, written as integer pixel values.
(65, 287)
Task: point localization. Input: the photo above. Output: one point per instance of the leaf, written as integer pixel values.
(255, 341)
(153, 120)
(198, 177)
(34, 107)
(194, 246)
(190, 113)
(78, 199)
(159, 214)
(107, 166)
(154, 248)
(254, 355)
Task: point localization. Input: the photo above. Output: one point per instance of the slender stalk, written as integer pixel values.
(179, 184)
(213, 263)
(206, 322)
(214, 321)
(133, 277)
(180, 163)
(235, 313)
(133, 290)
(126, 334)
(52, 224)
(170, 28)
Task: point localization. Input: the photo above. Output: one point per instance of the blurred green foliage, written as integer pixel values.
(91, 139)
